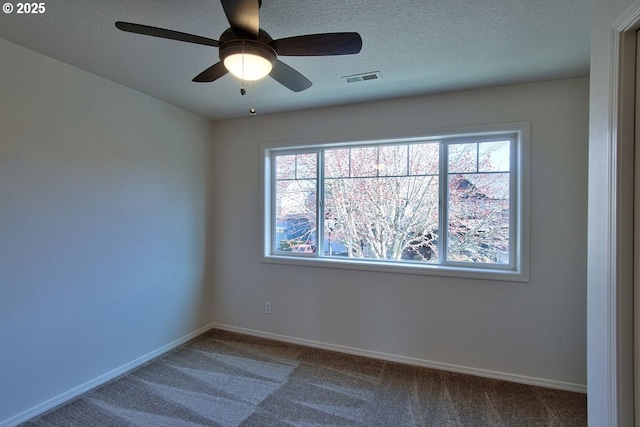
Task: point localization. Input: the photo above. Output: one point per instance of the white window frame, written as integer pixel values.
(518, 270)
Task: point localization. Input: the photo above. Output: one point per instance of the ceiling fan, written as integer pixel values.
(250, 53)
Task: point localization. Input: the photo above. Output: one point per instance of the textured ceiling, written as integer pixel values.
(419, 47)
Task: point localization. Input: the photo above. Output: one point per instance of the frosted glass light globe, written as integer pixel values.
(253, 67)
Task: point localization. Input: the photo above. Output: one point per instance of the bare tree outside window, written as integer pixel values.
(385, 202)
(419, 202)
(478, 202)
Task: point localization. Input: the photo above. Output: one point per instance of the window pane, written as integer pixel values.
(336, 163)
(463, 158)
(392, 160)
(494, 156)
(424, 159)
(306, 166)
(382, 218)
(295, 203)
(479, 224)
(364, 161)
(286, 167)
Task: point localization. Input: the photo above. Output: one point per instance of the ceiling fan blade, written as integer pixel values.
(212, 73)
(289, 77)
(243, 16)
(319, 44)
(165, 34)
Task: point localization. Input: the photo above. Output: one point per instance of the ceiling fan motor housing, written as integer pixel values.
(230, 44)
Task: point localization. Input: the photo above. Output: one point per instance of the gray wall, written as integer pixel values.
(532, 331)
(104, 196)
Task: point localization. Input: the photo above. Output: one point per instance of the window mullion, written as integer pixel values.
(320, 205)
(408, 164)
(273, 206)
(514, 203)
(443, 218)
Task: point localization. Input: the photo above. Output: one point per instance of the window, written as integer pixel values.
(448, 204)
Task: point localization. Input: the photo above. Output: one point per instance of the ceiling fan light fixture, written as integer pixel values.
(249, 52)
(248, 66)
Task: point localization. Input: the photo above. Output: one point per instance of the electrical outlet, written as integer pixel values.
(267, 307)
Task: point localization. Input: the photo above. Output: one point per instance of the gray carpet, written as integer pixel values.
(228, 379)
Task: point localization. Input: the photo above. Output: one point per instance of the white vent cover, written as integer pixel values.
(364, 77)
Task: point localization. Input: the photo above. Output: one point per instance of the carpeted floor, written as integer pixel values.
(227, 379)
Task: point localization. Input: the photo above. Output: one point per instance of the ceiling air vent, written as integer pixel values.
(365, 77)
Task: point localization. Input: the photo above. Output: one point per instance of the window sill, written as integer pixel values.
(399, 268)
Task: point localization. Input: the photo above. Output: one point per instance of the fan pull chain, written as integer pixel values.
(243, 91)
(252, 111)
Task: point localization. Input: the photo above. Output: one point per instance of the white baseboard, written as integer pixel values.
(541, 382)
(76, 391)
